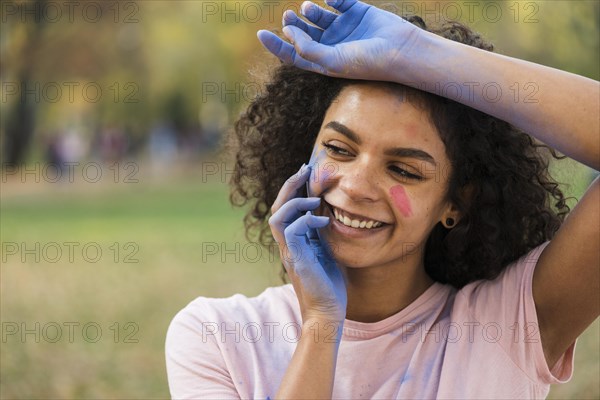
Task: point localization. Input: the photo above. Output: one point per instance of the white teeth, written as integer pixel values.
(354, 223)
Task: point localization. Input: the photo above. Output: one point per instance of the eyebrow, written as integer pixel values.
(394, 151)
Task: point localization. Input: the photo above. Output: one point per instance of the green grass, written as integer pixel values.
(167, 222)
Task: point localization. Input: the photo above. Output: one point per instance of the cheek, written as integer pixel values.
(321, 172)
(401, 200)
(316, 155)
(319, 178)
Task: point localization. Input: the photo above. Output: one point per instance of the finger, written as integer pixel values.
(300, 227)
(288, 213)
(343, 5)
(273, 43)
(286, 52)
(290, 188)
(281, 49)
(296, 240)
(313, 234)
(290, 18)
(292, 210)
(317, 15)
(308, 54)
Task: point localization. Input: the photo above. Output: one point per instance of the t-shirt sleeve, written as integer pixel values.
(195, 366)
(506, 311)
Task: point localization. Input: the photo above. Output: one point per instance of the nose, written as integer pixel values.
(359, 181)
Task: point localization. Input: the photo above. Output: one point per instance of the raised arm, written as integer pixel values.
(556, 107)
(364, 42)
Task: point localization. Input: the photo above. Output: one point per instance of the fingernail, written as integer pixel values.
(304, 168)
(304, 7)
(288, 16)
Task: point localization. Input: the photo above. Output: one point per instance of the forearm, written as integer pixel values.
(311, 372)
(556, 107)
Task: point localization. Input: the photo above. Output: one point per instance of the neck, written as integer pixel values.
(378, 292)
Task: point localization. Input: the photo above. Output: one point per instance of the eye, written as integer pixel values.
(335, 150)
(405, 174)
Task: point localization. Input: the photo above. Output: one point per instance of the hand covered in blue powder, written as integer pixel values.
(361, 42)
(318, 282)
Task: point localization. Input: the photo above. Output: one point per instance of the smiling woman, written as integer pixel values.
(425, 242)
(367, 133)
(419, 148)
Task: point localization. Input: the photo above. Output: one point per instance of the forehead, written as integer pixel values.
(383, 117)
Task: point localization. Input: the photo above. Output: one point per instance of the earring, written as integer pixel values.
(450, 222)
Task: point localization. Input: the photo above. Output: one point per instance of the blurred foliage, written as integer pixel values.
(168, 222)
(188, 63)
(157, 51)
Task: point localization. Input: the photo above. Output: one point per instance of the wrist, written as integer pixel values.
(321, 330)
(418, 62)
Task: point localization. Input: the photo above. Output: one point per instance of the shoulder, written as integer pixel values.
(515, 278)
(210, 342)
(504, 310)
(506, 299)
(204, 312)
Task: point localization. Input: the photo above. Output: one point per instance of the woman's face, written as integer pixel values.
(379, 164)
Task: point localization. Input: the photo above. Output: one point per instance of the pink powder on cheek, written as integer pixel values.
(401, 200)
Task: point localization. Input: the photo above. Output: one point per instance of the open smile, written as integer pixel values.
(345, 220)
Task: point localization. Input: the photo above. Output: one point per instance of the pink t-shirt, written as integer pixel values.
(478, 342)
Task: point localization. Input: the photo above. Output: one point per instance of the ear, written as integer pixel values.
(451, 217)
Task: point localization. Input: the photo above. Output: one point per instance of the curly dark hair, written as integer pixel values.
(508, 210)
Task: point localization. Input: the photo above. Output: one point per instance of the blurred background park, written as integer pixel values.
(114, 198)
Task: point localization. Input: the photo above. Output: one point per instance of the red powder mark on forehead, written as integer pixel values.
(400, 199)
(411, 131)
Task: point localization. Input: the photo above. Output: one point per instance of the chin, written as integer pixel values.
(347, 255)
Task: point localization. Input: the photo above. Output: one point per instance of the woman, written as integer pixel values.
(424, 256)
